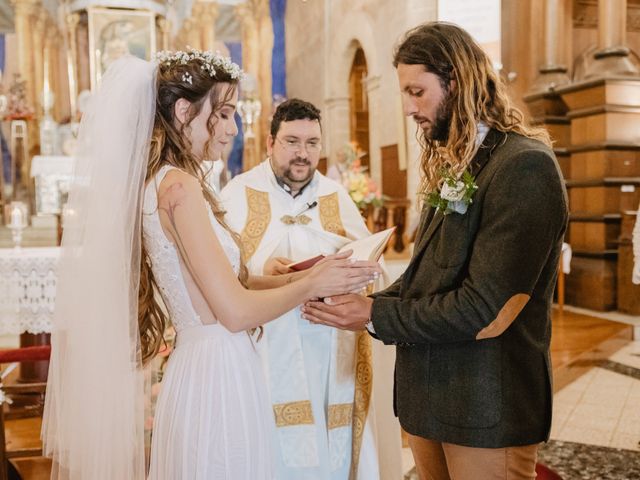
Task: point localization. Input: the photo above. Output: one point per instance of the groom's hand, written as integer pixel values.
(348, 312)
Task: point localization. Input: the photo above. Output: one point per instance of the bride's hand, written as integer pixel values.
(277, 266)
(338, 274)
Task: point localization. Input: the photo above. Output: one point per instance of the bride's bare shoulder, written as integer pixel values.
(179, 186)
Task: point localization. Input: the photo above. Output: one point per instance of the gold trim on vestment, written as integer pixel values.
(364, 381)
(258, 218)
(340, 415)
(293, 413)
(329, 207)
(298, 219)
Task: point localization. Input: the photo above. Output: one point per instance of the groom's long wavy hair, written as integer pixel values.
(170, 146)
(480, 95)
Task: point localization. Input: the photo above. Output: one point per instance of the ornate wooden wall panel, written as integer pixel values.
(604, 182)
(394, 180)
(628, 294)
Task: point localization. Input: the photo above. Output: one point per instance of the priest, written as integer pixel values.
(319, 378)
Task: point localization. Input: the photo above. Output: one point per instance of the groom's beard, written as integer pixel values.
(439, 130)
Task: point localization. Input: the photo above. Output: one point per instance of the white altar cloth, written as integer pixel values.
(27, 289)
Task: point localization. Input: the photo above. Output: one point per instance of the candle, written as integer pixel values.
(46, 90)
(17, 218)
(17, 215)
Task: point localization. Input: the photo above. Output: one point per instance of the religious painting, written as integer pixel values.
(114, 33)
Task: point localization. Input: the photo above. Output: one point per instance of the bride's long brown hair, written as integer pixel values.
(171, 146)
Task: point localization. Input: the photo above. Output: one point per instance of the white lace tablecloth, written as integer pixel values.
(27, 289)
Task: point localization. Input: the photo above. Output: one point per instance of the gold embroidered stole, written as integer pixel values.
(364, 382)
(258, 218)
(293, 413)
(329, 207)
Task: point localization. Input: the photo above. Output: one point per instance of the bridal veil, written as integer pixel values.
(94, 411)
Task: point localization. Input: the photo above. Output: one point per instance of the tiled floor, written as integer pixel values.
(600, 408)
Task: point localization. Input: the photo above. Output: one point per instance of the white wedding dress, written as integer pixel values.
(212, 418)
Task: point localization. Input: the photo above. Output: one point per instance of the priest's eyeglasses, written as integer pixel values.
(293, 146)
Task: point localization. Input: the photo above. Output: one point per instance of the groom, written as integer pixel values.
(471, 314)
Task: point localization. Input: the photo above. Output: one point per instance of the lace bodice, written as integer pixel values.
(165, 261)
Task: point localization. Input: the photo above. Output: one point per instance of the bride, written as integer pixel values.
(148, 244)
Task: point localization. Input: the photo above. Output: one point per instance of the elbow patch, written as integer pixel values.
(506, 316)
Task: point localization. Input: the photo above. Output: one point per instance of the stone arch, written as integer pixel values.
(355, 30)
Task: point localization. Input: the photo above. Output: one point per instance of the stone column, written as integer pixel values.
(552, 72)
(250, 41)
(72, 21)
(38, 32)
(25, 11)
(51, 41)
(372, 86)
(336, 125)
(247, 15)
(264, 72)
(207, 15)
(164, 29)
(192, 33)
(83, 63)
(180, 41)
(612, 57)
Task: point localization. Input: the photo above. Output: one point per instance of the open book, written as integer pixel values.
(368, 248)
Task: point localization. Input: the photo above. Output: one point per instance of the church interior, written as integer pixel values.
(571, 66)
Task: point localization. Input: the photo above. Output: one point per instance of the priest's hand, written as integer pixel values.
(348, 312)
(277, 266)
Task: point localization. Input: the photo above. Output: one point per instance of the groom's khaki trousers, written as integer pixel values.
(446, 461)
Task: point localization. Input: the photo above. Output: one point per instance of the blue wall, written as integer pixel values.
(4, 149)
(234, 163)
(278, 59)
(2, 52)
(278, 75)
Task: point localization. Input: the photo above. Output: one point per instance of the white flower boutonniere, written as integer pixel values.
(455, 194)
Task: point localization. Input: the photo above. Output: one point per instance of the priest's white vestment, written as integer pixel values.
(319, 378)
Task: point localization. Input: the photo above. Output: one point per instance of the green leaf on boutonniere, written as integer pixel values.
(436, 201)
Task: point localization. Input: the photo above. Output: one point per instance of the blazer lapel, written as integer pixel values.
(426, 217)
(493, 139)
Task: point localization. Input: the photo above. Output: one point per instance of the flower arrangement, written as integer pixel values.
(455, 195)
(363, 190)
(17, 106)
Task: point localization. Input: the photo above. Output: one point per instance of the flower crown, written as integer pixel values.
(210, 62)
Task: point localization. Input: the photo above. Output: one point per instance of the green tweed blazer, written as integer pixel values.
(471, 315)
